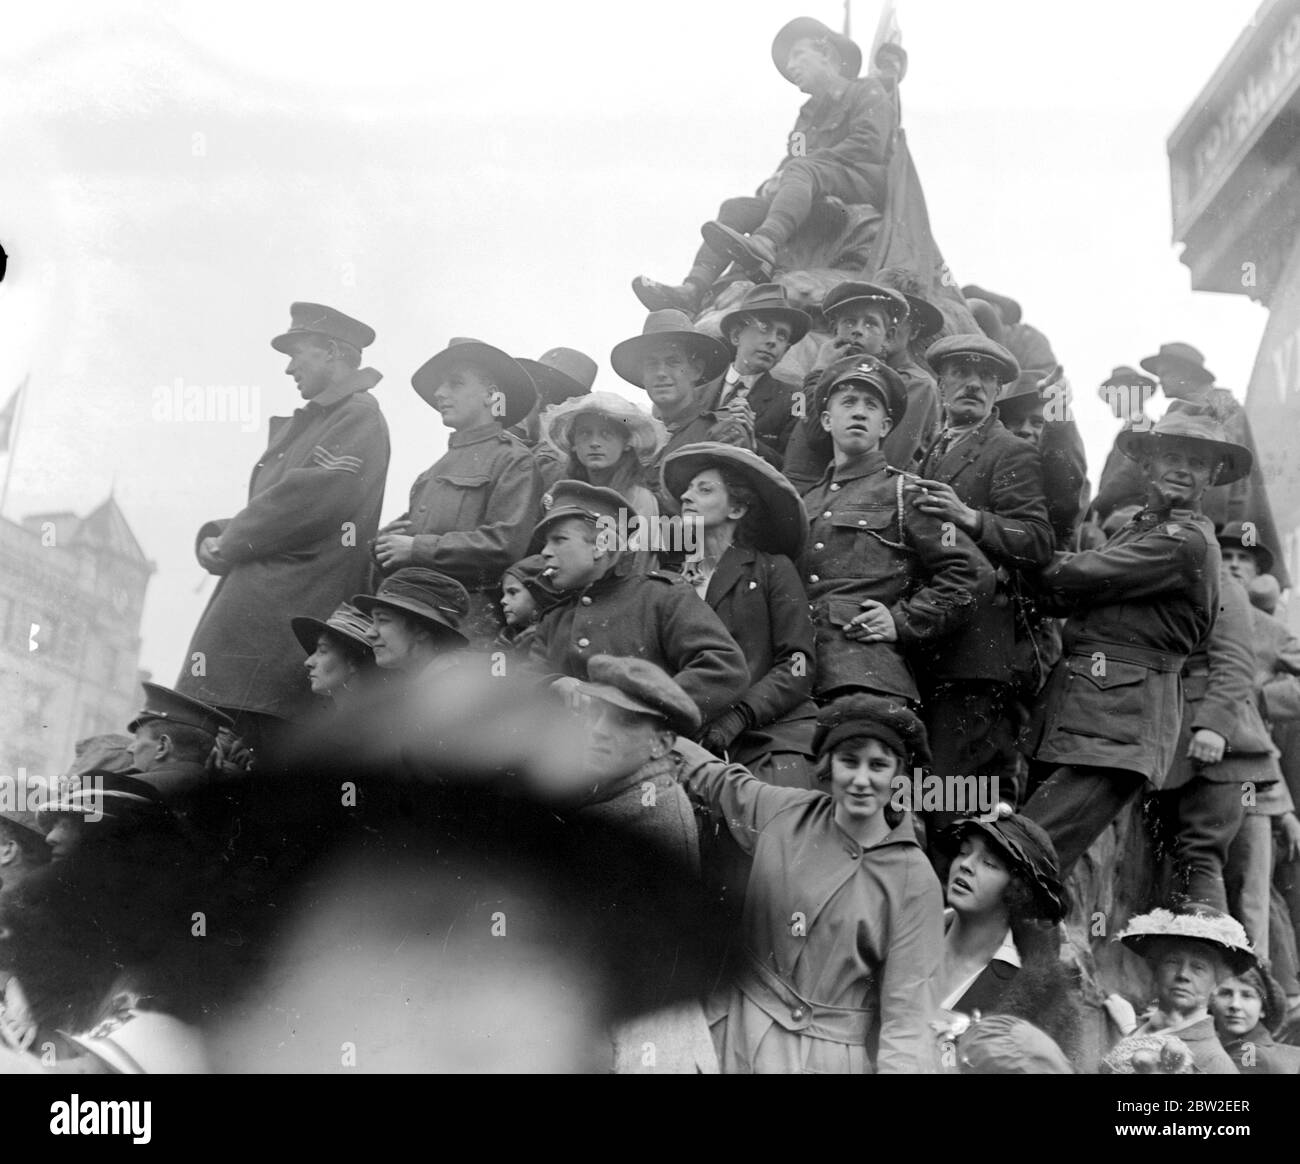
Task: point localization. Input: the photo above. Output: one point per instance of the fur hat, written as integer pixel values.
(876, 718)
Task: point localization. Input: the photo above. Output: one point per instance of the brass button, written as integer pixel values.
(819, 545)
(813, 578)
(827, 513)
(862, 522)
(584, 642)
(835, 488)
(586, 600)
(798, 1014)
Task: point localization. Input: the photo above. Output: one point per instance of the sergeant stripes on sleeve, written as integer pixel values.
(327, 460)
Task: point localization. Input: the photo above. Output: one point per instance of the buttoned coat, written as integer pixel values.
(862, 545)
(300, 547)
(653, 616)
(843, 140)
(1138, 607)
(759, 598)
(836, 938)
(1000, 475)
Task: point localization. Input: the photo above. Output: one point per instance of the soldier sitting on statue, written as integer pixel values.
(838, 149)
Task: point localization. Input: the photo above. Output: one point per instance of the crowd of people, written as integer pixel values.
(770, 611)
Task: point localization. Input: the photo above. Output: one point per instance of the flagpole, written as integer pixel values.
(13, 442)
(848, 20)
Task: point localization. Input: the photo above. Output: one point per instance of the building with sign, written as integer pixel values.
(71, 596)
(1235, 169)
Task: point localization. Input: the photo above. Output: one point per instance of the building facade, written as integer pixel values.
(71, 596)
(1235, 169)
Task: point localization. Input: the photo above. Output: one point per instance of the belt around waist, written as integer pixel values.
(1153, 660)
(776, 998)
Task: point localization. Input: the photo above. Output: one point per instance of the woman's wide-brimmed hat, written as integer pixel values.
(644, 433)
(1029, 851)
(431, 598)
(1193, 923)
(808, 28)
(515, 384)
(784, 524)
(1195, 422)
(346, 623)
(671, 325)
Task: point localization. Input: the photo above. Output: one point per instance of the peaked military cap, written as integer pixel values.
(872, 373)
(317, 319)
(162, 703)
(571, 498)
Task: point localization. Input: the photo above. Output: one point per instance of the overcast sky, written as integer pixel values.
(175, 174)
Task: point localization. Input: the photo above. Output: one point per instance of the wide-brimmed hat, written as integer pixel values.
(975, 347)
(162, 703)
(560, 374)
(850, 292)
(807, 28)
(784, 524)
(1183, 358)
(768, 301)
(1194, 923)
(433, 599)
(877, 718)
(515, 384)
(669, 324)
(580, 499)
(316, 319)
(925, 317)
(1027, 848)
(347, 623)
(869, 371)
(1123, 376)
(1233, 534)
(644, 433)
(1195, 422)
(1026, 387)
(642, 686)
(1007, 308)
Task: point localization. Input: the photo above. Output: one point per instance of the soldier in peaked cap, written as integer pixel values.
(838, 148)
(882, 577)
(988, 484)
(1137, 608)
(607, 608)
(301, 542)
(470, 511)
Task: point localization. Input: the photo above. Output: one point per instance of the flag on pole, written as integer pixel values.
(7, 417)
(887, 30)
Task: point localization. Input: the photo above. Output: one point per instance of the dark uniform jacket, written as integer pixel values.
(473, 510)
(772, 400)
(651, 616)
(1138, 607)
(862, 545)
(1000, 475)
(1219, 694)
(1255, 1053)
(690, 429)
(845, 141)
(299, 547)
(1065, 478)
(760, 600)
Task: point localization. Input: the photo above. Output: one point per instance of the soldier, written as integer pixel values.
(300, 543)
(607, 609)
(838, 148)
(863, 319)
(672, 362)
(1138, 607)
(560, 374)
(470, 512)
(882, 575)
(905, 353)
(761, 329)
(990, 485)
